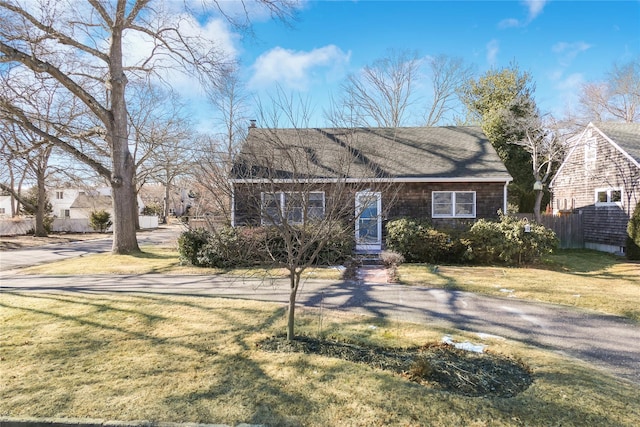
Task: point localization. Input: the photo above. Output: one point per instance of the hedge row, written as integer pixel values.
(230, 247)
(509, 241)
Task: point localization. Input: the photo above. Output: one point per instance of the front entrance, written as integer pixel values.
(368, 221)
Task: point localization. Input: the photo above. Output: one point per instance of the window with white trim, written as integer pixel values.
(59, 195)
(295, 206)
(65, 213)
(608, 196)
(453, 204)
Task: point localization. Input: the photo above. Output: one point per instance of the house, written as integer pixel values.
(5, 206)
(85, 204)
(445, 174)
(600, 180)
(61, 200)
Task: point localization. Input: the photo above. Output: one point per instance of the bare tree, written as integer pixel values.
(615, 98)
(34, 155)
(545, 143)
(448, 75)
(27, 149)
(82, 46)
(162, 138)
(382, 93)
(307, 186)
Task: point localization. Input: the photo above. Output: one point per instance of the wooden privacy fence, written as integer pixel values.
(568, 228)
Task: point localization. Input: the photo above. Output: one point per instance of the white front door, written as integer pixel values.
(368, 221)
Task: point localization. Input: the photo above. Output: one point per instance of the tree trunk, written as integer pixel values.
(165, 206)
(537, 206)
(40, 230)
(123, 188)
(294, 282)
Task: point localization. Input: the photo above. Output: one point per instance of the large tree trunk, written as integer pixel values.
(123, 188)
(40, 230)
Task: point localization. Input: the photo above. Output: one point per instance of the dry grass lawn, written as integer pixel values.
(586, 279)
(195, 359)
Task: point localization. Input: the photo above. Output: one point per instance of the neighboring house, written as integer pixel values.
(90, 201)
(5, 206)
(444, 174)
(61, 200)
(85, 203)
(600, 179)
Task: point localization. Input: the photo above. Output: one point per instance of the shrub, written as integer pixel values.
(391, 259)
(190, 243)
(100, 220)
(507, 241)
(406, 236)
(633, 235)
(418, 241)
(338, 243)
(230, 247)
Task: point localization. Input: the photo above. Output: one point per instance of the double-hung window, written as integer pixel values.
(608, 196)
(293, 206)
(453, 204)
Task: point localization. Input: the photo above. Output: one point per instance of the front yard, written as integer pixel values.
(199, 359)
(585, 279)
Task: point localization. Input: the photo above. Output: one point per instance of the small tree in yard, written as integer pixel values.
(100, 220)
(298, 183)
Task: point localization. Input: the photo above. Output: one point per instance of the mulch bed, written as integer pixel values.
(436, 365)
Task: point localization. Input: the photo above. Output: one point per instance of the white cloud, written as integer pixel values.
(212, 38)
(295, 69)
(570, 83)
(493, 47)
(567, 52)
(535, 8)
(508, 23)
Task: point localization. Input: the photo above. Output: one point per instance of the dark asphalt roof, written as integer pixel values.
(626, 135)
(409, 152)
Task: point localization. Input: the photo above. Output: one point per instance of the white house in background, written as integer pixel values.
(74, 203)
(61, 200)
(5, 206)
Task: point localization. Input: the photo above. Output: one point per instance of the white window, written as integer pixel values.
(453, 204)
(2, 212)
(608, 196)
(293, 206)
(59, 195)
(64, 213)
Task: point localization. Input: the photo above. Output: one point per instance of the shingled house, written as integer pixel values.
(445, 174)
(600, 180)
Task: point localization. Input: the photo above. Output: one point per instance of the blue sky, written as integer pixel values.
(561, 43)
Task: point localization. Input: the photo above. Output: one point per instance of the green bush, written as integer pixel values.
(507, 241)
(338, 243)
(406, 236)
(633, 235)
(100, 220)
(418, 241)
(190, 243)
(230, 247)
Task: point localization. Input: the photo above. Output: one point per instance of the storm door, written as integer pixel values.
(368, 221)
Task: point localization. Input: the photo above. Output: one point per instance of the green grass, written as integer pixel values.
(586, 279)
(195, 359)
